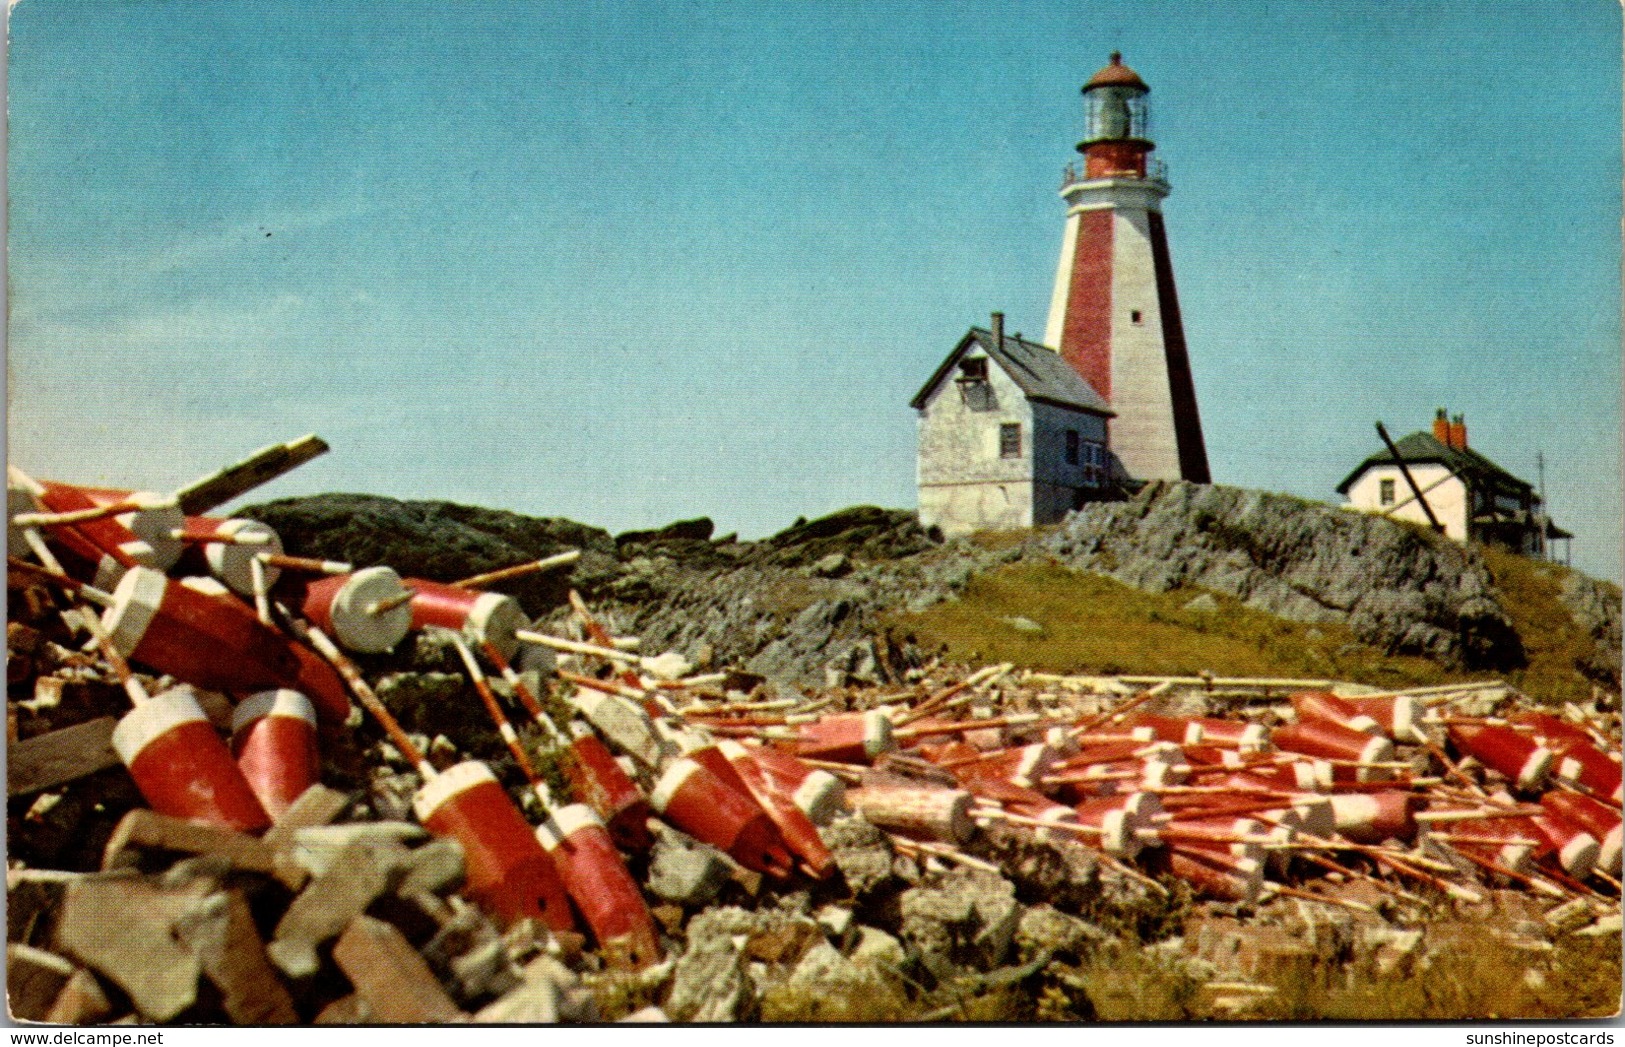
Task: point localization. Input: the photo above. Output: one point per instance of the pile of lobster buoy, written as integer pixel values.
(1395, 789)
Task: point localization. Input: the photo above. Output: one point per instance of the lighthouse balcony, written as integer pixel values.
(1156, 170)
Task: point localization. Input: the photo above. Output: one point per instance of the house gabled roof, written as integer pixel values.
(1038, 371)
(1422, 448)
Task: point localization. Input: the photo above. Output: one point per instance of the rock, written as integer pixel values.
(1202, 603)
(316, 806)
(840, 924)
(143, 831)
(125, 929)
(391, 977)
(1044, 928)
(711, 984)
(835, 565)
(440, 541)
(1024, 625)
(823, 970)
(81, 1002)
(34, 978)
(1397, 588)
(967, 919)
(667, 666)
(684, 870)
(860, 851)
(222, 935)
(876, 948)
(435, 868)
(316, 848)
(483, 971)
(534, 1002)
(646, 1016)
(350, 882)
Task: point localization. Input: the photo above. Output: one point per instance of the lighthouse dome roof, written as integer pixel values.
(1116, 75)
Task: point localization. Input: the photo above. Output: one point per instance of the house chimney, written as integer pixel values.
(998, 330)
(1441, 427)
(1458, 433)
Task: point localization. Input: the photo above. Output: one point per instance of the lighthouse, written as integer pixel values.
(1114, 315)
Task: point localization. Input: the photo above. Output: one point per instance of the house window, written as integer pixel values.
(1071, 447)
(1095, 467)
(1385, 492)
(974, 369)
(1010, 440)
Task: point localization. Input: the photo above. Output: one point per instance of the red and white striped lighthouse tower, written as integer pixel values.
(1114, 315)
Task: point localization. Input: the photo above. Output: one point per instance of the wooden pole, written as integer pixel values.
(366, 696)
(263, 466)
(545, 564)
(1406, 472)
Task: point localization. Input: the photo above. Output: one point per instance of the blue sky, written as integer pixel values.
(629, 262)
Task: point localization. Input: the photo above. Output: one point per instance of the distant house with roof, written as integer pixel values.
(1010, 436)
(1472, 497)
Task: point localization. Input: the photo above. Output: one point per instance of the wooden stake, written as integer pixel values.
(366, 696)
(306, 563)
(121, 668)
(261, 467)
(72, 585)
(1132, 703)
(577, 647)
(95, 512)
(500, 720)
(546, 563)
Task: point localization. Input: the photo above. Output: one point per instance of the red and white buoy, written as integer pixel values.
(1376, 816)
(273, 737)
(595, 776)
(600, 886)
(1120, 818)
(1583, 764)
(1217, 873)
(1324, 705)
(509, 875)
(795, 827)
(1399, 716)
(198, 632)
(226, 549)
(1329, 740)
(1502, 749)
(182, 767)
(493, 618)
(697, 802)
(140, 533)
(846, 737)
(819, 794)
(1598, 819)
(355, 609)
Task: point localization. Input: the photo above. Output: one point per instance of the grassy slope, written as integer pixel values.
(1092, 624)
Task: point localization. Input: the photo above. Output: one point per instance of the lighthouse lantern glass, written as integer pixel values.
(1116, 112)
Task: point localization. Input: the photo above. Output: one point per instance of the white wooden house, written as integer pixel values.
(1010, 436)
(1472, 497)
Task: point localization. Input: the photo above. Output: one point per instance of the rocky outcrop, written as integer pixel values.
(440, 541)
(1596, 609)
(1397, 587)
(809, 603)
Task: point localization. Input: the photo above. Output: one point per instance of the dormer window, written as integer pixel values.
(973, 369)
(974, 387)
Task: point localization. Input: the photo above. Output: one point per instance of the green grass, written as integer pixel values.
(1552, 640)
(1092, 624)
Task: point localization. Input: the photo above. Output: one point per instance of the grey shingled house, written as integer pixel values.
(1010, 436)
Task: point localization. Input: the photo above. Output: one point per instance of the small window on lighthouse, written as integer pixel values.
(1135, 316)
